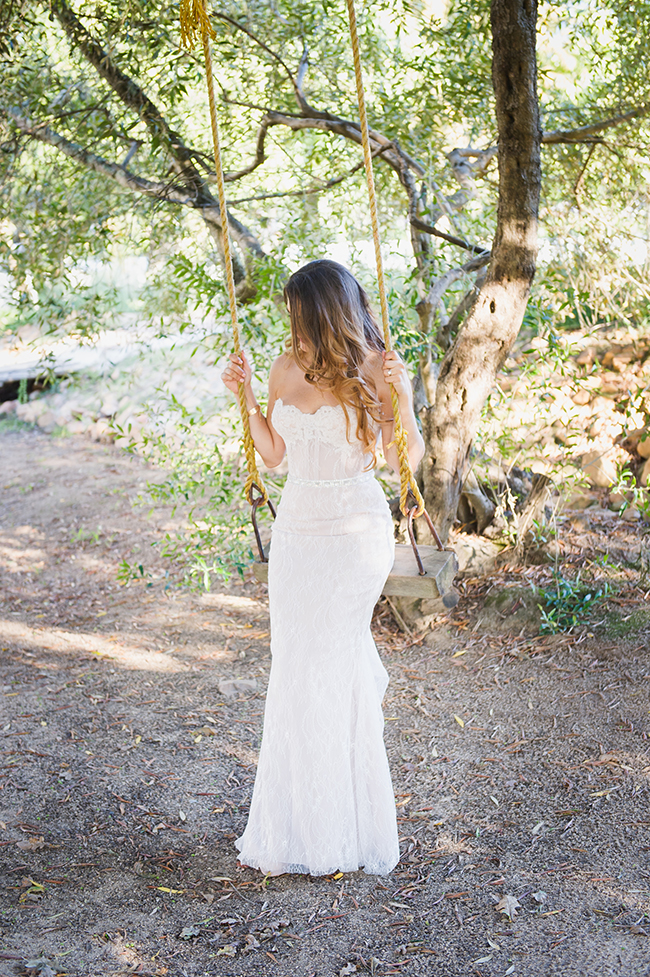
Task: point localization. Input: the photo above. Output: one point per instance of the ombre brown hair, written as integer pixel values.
(330, 313)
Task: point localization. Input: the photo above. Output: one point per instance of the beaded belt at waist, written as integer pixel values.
(326, 482)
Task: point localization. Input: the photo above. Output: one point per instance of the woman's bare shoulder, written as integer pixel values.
(280, 365)
(283, 362)
(280, 374)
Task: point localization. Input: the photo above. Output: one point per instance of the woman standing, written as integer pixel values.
(323, 800)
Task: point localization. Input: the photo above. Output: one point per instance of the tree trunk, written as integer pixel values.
(469, 369)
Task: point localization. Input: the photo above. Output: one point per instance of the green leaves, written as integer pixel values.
(568, 603)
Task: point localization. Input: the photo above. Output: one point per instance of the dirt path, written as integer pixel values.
(520, 766)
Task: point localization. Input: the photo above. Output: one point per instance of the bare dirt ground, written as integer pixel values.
(520, 766)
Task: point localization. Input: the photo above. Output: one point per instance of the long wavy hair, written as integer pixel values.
(332, 320)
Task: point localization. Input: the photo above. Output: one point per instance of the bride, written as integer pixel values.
(323, 800)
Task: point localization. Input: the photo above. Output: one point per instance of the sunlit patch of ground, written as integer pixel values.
(16, 555)
(74, 642)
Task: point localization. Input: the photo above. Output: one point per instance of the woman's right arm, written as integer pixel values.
(267, 441)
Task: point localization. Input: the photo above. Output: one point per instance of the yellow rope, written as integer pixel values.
(194, 20)
(400, 436)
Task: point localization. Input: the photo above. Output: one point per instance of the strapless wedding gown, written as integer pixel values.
(323, 799)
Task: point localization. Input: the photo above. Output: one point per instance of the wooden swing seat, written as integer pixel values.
(404, 580)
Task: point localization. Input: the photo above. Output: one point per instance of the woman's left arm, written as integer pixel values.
(394, 372)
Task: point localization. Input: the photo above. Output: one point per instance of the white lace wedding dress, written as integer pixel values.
(323, 800)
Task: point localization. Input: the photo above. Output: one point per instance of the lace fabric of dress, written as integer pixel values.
(323, 799)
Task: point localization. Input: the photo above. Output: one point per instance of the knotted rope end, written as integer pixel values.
(194, 22)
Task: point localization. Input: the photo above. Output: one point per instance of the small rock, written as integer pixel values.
(46, 421)
(581, 397)
(599, 467)
(40, 967)
(204, 731)
(553, 549)
(28, 412)
(580, 500)
(100, 430)
(601, 405)
(616, 501)
(587, 357)
(645, 472)
(231, 686)
(621, 362)
(8, 407)
(109, 406)
(631, 514)
(612, 384)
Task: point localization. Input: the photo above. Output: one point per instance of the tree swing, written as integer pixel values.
(432, 573)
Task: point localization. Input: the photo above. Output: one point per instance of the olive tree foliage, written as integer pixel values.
(105, 148)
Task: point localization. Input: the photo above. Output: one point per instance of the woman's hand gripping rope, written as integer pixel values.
(396, 374)
(237, 371)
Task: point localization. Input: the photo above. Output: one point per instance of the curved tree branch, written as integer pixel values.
(98, 164)
(589, 133)
(306, 191)
(432, 303)
(458, 241)
(170, 191)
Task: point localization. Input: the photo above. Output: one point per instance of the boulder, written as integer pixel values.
(8, 407)
(475, 554)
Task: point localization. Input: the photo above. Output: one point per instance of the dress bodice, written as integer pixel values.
(318, 448)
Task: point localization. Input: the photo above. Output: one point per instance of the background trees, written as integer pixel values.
(105, 150)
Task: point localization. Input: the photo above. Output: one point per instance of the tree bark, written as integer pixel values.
(470, 367)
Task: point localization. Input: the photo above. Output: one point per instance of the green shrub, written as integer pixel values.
(568, 603)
